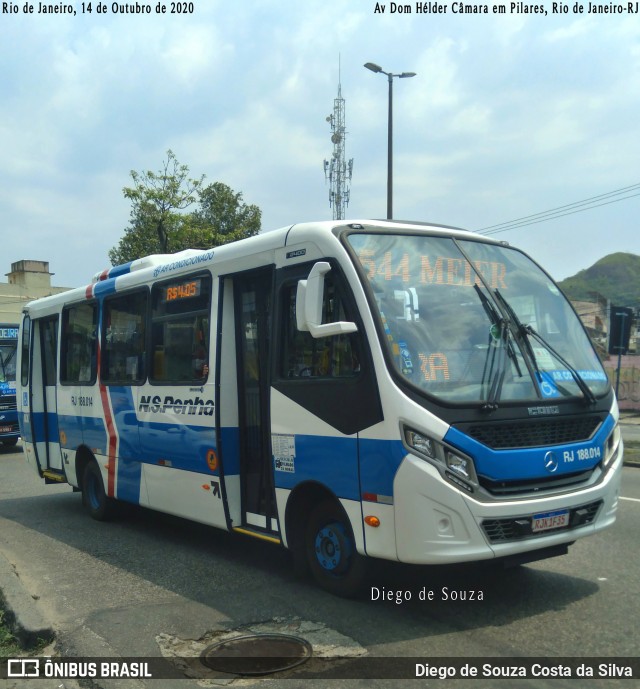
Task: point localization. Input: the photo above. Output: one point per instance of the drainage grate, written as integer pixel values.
(257, 654)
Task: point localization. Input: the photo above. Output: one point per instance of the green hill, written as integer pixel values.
(616, 277)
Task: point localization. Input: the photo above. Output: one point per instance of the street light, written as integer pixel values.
(404, 75)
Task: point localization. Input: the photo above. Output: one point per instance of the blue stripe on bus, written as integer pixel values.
(39, 432)
(179, 445)
(26, 429)
(379, 462)
(77, 429)
(318, 458)
(104, 288)
(126, 423)
(529, 463)
(230, 455)
(71, 431)
(129, 479)
(94, 433)
(185, 447)
(116, 271)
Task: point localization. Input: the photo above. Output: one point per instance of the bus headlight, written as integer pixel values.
(461, 466)
(458, 468)
(421, 443)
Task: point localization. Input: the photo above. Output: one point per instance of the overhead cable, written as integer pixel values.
(561, 211)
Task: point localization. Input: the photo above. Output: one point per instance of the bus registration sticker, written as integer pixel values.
(284, 452)
(550, 520)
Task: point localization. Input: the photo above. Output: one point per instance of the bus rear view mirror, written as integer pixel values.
(309, 300)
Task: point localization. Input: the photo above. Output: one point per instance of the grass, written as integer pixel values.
(10, 646)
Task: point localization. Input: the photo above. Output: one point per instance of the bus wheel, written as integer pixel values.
(331, 551)
(94, 497)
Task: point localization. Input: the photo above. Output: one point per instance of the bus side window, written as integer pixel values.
(78, 344)
(304, 356)
(124, 339)
(180, 330)
(26, 340)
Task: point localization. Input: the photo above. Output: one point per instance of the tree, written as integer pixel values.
(157, 226)
(222, 217)
(141, 236)
(156, 198)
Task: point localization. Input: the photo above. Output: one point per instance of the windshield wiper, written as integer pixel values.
(526, 330)
(590, 398)
(498, 379)
(501, 367)
(519, 326)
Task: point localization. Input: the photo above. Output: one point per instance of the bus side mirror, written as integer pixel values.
(309, 299)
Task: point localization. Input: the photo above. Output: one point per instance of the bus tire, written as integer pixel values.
(94, 496)
(331, 551)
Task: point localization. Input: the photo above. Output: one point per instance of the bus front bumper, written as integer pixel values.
(435, 523)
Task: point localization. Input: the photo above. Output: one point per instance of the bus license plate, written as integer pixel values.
(5, 429)
(550, 520)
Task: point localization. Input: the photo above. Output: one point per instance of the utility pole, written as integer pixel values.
(338, 170)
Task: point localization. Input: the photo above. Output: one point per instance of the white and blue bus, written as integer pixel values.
(343, 389)
(9, 430)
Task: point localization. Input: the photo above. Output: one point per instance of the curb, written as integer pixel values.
(631, 456)
(21, 614)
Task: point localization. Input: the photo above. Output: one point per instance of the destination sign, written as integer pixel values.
(184, 290)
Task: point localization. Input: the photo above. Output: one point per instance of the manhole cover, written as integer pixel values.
(257, 654)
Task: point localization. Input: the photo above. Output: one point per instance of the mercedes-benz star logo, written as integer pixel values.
(550, 462)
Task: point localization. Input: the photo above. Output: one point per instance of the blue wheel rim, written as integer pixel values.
(333, 548)
(93, 492)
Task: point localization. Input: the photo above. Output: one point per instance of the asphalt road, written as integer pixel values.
(122, 588)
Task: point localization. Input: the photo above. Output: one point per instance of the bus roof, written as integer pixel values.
(154, 266)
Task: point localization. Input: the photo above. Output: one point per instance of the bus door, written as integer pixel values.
(324, 393)
(43, 395)
(252, 306)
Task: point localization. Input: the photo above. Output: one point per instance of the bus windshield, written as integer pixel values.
(473, 322)
(7, 362)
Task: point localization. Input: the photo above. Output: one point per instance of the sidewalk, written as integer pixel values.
(630, 428)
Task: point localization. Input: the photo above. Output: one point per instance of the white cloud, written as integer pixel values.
(506, 116)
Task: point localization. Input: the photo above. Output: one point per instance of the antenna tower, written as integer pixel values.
(337, 170)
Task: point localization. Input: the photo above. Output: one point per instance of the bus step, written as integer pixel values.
(256, 533)
(51, 476)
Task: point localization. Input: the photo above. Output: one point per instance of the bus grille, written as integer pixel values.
(8, 403)
(537, 433)
(536, 485)
(519, 528)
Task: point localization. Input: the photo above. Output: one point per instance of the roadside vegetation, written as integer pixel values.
(10, 646)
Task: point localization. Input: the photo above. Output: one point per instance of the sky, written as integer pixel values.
(508, 116)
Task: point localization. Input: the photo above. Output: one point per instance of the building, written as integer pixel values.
(28, 280)
(594, 315)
